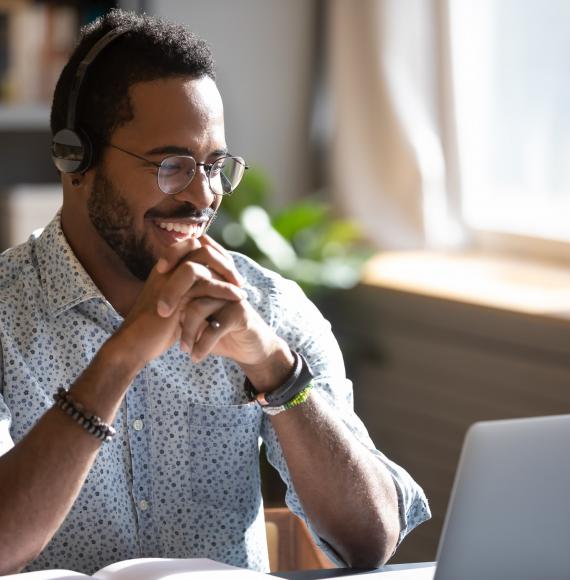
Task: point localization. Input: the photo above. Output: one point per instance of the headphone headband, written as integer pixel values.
(82, 70)
(71, 148)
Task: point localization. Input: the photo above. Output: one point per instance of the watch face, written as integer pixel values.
(262, 400)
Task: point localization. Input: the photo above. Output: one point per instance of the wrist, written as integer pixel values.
(122, 352)
(122, 356)
(273, 371)
(103, 384)
(292, 393)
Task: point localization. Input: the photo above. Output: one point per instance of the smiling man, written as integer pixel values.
(141, 362)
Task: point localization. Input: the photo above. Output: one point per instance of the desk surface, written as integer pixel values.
(318, 574)
(339, 572)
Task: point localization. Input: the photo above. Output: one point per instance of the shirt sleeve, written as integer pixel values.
(6, 442)
(303, 327)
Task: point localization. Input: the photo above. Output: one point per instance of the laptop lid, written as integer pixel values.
(509, 512)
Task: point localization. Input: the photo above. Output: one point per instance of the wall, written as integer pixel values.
(264, 54)
(425, 368)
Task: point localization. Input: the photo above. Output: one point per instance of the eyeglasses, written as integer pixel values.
(176, 172)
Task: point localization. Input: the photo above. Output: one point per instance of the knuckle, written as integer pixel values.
(189, 268)
(193, 308)
(208, 250)
(188, 265)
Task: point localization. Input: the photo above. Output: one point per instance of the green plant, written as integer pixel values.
(303, 241)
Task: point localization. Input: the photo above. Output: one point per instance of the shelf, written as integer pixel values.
(24, 117)
(516, 285)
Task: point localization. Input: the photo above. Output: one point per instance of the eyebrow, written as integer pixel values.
(176, 150)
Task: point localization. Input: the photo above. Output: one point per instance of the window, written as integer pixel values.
(511, 71)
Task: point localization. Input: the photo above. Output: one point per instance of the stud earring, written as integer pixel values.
(75, 182)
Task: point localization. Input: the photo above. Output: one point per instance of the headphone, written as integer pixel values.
(71, 148)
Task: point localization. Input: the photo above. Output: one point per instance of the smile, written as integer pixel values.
(182, 228)
(172, 231)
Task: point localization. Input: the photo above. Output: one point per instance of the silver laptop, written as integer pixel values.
(509, 513)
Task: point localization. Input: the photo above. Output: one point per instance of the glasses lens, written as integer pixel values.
(175, 173)
(225, 174)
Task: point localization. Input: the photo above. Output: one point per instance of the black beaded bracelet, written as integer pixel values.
(90, 422)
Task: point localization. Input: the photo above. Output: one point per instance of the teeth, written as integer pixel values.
(187, 229)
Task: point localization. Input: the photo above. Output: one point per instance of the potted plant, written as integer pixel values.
(304, 241)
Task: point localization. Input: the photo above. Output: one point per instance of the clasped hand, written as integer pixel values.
(193, 280)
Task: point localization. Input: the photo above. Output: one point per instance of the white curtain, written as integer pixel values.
(393, 153)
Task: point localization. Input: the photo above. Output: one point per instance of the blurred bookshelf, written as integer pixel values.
(33, 117)
(36, 39)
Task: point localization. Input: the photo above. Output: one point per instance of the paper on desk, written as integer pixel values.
(175, 569)
(151, 569)
(46, 575)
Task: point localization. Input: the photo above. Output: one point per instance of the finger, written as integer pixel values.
(179, 283)
(229, 318)
(214, 288)
(172, 255)
(209, 255)
(195, 321)
(218, 262)
(207, 241)
(210, 321)
(179, 287)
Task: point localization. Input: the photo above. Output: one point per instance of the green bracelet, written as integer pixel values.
(297, 400)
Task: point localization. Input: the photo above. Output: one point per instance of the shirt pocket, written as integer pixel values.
(224, 455)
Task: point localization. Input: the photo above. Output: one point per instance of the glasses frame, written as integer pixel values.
(207, 168)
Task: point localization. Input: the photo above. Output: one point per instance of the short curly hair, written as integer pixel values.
(152, 48)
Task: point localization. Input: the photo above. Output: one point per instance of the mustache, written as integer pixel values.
(183, 212)
(212, 220)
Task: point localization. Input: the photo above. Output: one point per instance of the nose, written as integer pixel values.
(198, 191)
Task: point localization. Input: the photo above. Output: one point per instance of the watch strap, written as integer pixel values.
(301, 376)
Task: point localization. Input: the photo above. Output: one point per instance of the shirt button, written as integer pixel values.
(143, 504)
(138, 424)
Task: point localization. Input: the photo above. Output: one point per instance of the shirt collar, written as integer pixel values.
(64, 280)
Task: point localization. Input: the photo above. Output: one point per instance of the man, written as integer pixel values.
(125, 309)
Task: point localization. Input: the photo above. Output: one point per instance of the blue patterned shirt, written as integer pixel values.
(181, 478)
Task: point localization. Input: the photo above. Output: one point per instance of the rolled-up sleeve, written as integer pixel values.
(304, 328)
(6, 442)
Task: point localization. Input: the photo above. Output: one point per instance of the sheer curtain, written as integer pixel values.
(393, 161)
(510, 63)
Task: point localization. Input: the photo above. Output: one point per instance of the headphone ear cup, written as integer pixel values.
(71, 151)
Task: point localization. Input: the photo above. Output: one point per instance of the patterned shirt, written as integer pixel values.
(181, 478)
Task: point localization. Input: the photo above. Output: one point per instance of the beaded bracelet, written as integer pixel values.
(90, 422)
(297, 400)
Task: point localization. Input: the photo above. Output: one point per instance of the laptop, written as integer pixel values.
(509, 513)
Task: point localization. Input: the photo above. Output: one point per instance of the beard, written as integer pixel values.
(113, 219)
